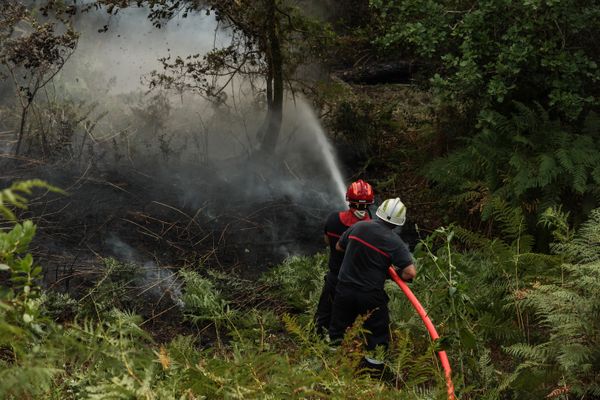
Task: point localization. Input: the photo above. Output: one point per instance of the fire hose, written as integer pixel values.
(430, 328)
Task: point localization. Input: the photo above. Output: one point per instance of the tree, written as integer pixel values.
(32, 53)
(268, 40)
(492, 53)
(521, 78)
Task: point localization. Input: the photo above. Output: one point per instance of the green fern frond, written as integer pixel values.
(470, 238)
(579, 178)
(510, 219)
(565, 160)
(502, 158)
(202, 301)
(299, 280)
(524, 243)
(548, 262)
(556, 220)
(536, 354)
(596, 174)
(569, 311)
(547, 170)
(585, 246)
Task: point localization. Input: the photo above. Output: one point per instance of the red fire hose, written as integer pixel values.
(430, 328)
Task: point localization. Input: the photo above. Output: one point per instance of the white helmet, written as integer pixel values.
(392, 211)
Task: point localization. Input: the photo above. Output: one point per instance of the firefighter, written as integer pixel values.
(359, 197)
(370, 247)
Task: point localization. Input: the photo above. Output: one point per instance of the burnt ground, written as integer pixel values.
(161, 225)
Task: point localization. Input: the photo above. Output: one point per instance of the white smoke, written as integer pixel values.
(150, 278)
(201, 153)
(173, 135)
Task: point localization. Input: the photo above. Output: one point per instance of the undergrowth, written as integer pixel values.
(515, 324)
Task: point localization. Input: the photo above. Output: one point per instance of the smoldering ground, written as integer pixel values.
(171, 178)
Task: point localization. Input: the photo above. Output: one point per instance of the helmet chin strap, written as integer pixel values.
(360, 214)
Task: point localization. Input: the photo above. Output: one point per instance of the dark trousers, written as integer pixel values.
(349, 303)
(323, 314)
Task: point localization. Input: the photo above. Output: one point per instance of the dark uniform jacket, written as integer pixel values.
(371, 248)
(335, 226)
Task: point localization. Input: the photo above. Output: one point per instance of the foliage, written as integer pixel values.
(556, 220)
(32, 52)
(542, 310)
(13, 195)
(568, 357)
(13, 244)
(112, 290)
(581, 248)
(113, 358)
(299, 280)
(494, 294)
(104, 352)
(24, 369)
(471, 287)
(520, 79)
(529, 161)
(201, 301)
(492, 53)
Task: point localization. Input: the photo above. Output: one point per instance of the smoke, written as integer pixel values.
(150, 278)
(173, 137)
(134, 149)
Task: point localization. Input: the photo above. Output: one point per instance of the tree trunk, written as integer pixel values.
(269, 82)
(275, 77)
(22, 128)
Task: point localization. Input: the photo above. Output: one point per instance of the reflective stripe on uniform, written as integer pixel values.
(369, 245)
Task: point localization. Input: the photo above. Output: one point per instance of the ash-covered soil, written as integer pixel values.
(161, 220)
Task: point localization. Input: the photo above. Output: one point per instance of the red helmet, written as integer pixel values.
(360, 192)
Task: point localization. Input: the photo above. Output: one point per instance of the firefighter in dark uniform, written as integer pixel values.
(370, 247)
(359, 196)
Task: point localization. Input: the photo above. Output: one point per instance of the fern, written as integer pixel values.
(527, 160)
(298, 280)
(569, 311)
(556, 220)
(112, 289)
(201, 300)
(584, 247)
(28, 381)
(536, 354)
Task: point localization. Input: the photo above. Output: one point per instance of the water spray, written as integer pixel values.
(430, 328)
(328, 155)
